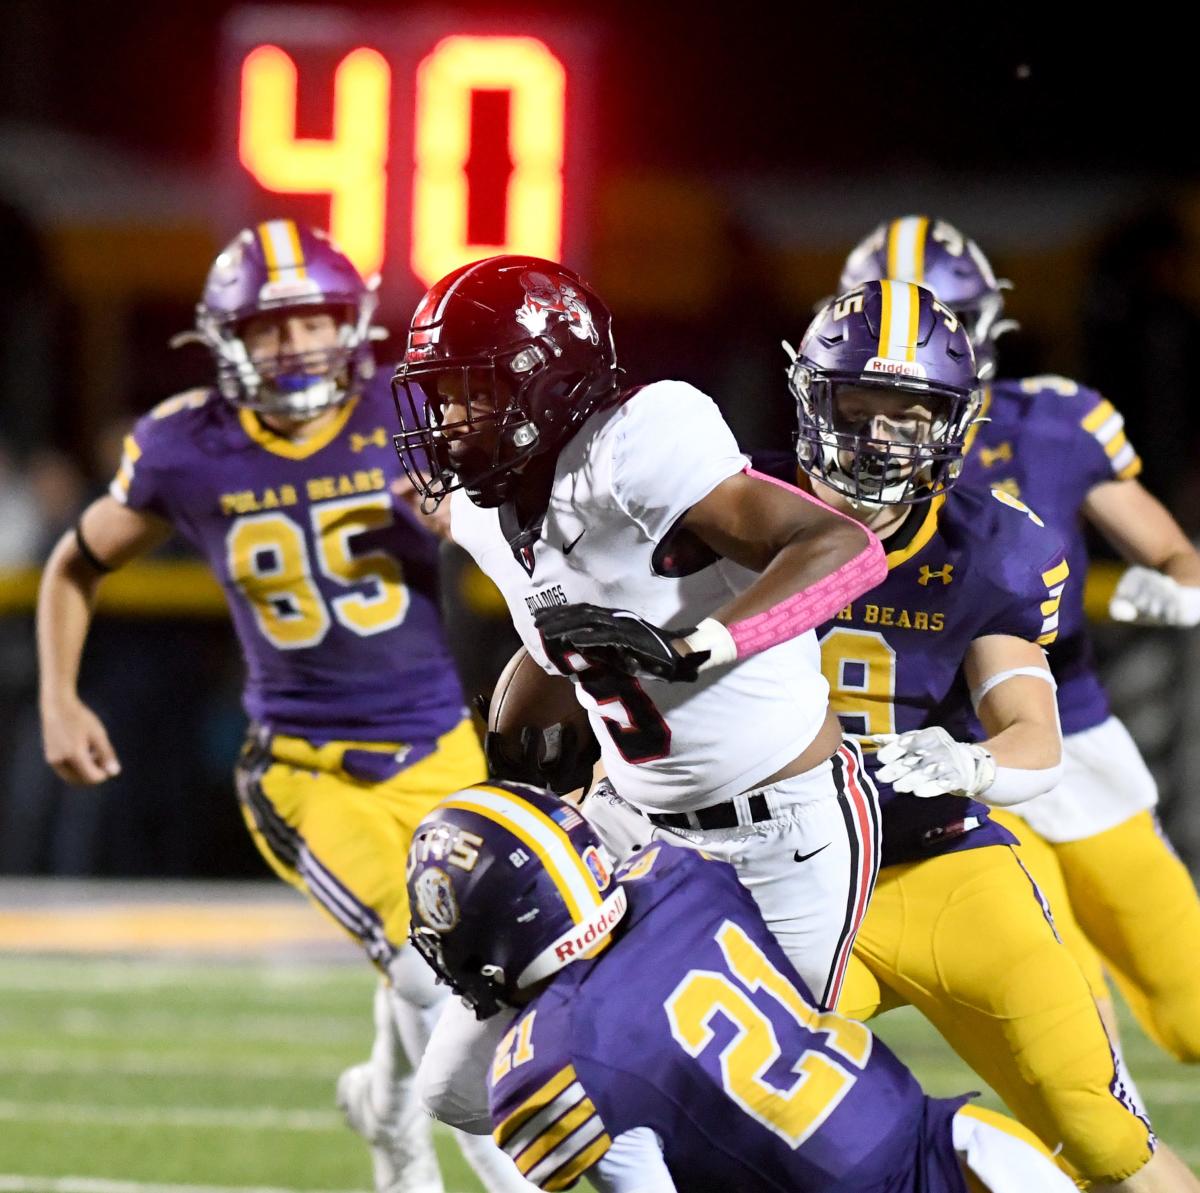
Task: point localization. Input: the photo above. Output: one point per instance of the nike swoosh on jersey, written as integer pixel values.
(803, 857)
(567, 548)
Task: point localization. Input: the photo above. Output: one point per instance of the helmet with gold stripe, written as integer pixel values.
(886, 390)
(935, 254)
(508, 884)
(287, 318)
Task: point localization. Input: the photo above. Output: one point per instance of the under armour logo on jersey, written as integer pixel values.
(945, 574)
(995, 455)
(377, 438)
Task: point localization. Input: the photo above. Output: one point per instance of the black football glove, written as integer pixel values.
(558, 757)
(619, 640)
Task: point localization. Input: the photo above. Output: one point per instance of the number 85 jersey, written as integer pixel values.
(332, 587)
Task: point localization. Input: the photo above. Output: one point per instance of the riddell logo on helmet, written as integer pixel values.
(282, 291)
(897, 368)
(591, 933)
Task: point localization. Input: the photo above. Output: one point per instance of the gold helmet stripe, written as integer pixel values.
(281, 249)
(546, 839)
(906, 248)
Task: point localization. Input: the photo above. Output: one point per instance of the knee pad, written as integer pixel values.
(451, 1082)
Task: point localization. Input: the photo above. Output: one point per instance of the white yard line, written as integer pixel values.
(12, 1182)
(242, 1119)
(157, 975)
(191, 1023)
(50, 1062)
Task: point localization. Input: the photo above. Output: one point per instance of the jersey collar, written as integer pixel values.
(281, 445)
(926, 527)
(911, 541)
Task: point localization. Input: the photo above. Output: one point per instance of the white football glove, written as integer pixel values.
(928, 762)
(1147, 597)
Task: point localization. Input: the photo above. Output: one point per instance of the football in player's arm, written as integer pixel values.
(653, 1035)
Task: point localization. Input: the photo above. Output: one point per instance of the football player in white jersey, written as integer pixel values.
(604, 514)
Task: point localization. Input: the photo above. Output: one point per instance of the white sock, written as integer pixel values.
(492, 1165)
(1005, 1163)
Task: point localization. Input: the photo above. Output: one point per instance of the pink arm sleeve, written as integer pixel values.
(817, 603)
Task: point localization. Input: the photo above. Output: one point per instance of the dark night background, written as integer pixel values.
(734, 157)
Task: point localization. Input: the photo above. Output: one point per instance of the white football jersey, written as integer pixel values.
(620, 485)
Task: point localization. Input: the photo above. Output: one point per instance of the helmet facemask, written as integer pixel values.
(880, 443)
(294, 385)
(981, 320)
(504, 425)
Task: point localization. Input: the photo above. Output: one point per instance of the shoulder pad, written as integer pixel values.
(1050, 383)
(191, 399)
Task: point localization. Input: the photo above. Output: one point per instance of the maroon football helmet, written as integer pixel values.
(523, 348)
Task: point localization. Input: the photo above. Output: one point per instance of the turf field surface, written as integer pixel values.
(190, 1062)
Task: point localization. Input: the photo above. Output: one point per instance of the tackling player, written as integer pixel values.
(886, 394)
(1061, 447)
(280, 477)
(661, 1038)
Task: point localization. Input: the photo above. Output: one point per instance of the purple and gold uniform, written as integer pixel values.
(956, 926)
(1050, 441)
(357, 711)
(696, 1026)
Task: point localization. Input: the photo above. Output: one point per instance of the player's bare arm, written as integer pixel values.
(74, 740)
(1014, 696)
(794, 541)
(812, 561)
(1163, 586)
(1016, 707)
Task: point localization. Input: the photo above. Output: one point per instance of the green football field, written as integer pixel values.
(150, 1075)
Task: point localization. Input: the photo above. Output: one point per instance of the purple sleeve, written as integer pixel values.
(138, 482)
(1101, 450)
(1028, 576)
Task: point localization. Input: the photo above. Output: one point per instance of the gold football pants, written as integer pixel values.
(1132, 902)
(968, 940)
(343, 841)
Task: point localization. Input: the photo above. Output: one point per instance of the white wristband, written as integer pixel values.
(1012, 786)
(714, 637)
(1189, 606)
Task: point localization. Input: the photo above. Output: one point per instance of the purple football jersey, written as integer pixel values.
(331, 582)
(967, 564)
(693, 1023)
(1049, 441)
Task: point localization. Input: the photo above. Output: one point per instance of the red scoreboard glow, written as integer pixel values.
(419, 143)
